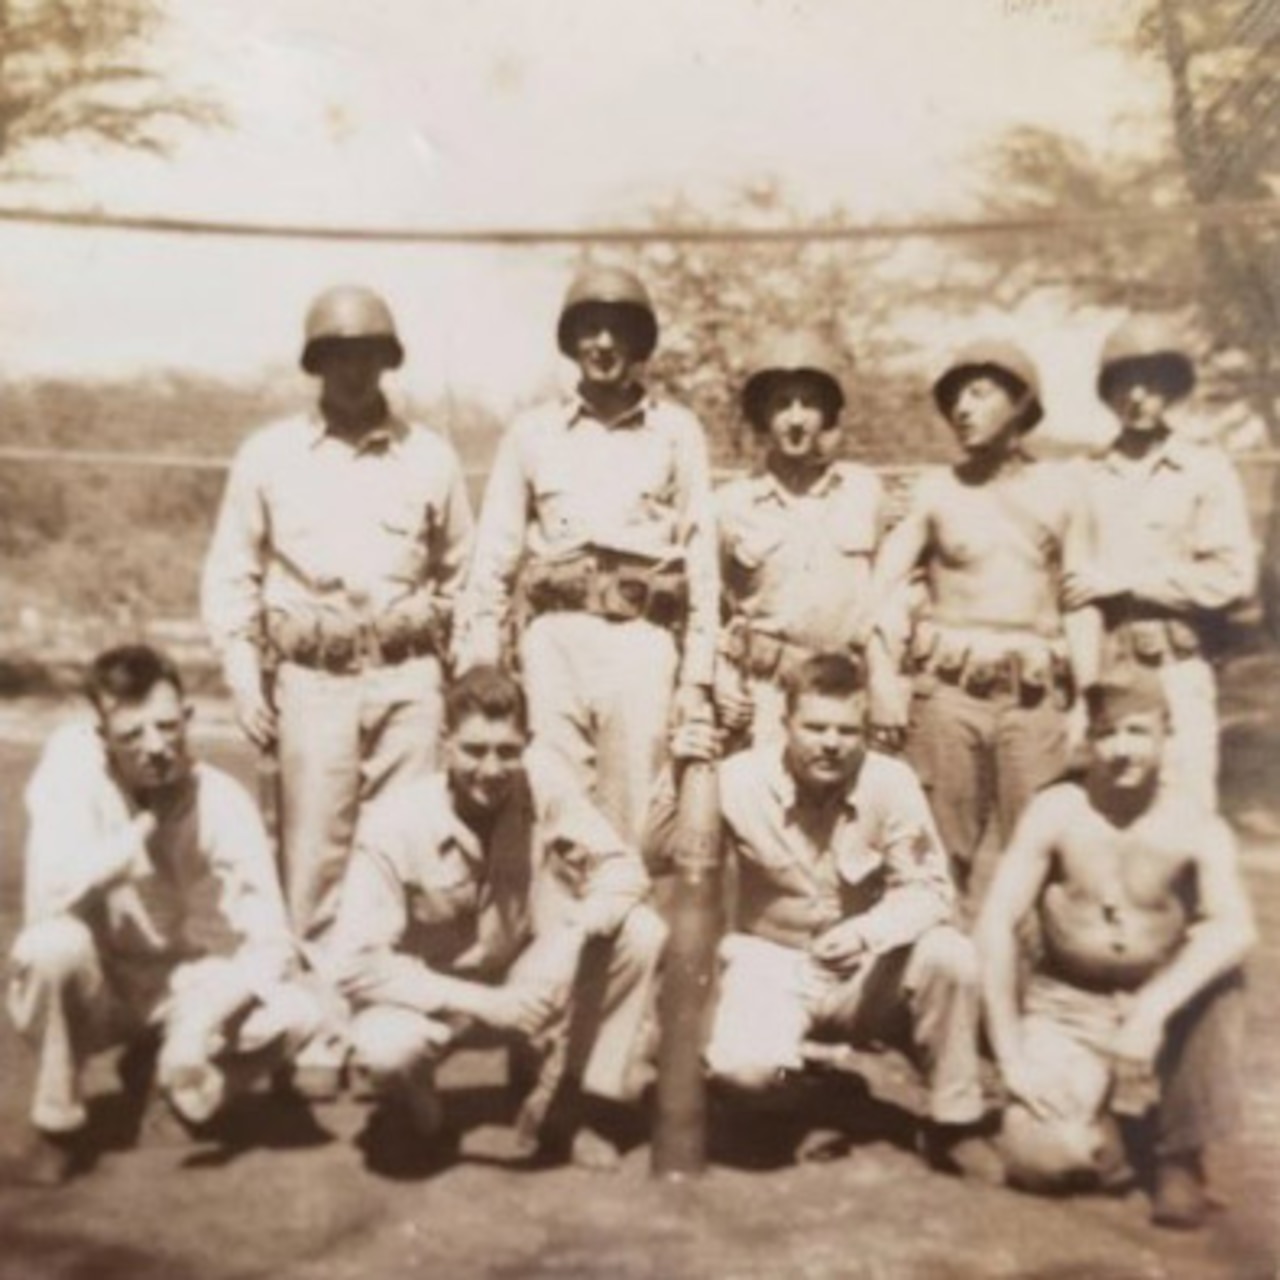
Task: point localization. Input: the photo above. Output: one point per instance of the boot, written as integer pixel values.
(1180, 1200)
(46, 1160)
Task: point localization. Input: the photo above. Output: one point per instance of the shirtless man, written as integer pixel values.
(993, 661)
(1135, 1001)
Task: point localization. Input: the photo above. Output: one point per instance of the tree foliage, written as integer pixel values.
(84, 70)
(719, 299)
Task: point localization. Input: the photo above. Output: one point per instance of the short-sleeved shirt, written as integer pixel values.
(798, 566)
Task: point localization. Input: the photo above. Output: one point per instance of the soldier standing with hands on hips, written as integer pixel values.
(328, 594)
(601, 504)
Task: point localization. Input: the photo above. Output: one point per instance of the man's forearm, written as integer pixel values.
(1212, 951)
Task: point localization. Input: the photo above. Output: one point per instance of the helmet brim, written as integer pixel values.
(639, 320)
(1171, 370)
(757, 386)
(947, 388)
(316, 352)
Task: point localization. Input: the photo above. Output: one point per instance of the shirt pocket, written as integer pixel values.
(851, 530)
(404, 525)
(445, 891)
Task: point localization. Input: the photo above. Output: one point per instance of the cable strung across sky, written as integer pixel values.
(1217, 214)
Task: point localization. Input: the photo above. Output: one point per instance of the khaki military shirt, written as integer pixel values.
(1173, 527)
(312, 521)
(798, 566)
(425, 897)
(564, 481)
(884, 866)
(203, 884)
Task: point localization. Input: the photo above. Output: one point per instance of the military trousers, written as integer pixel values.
(606, 1012)
(600, 694)
(70, 1001)
(922, 998)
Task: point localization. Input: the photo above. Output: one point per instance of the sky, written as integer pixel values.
(530, 113)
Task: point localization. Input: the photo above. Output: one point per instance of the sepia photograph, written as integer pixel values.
(640, 641)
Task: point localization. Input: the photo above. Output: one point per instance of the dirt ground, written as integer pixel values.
(303, 1206)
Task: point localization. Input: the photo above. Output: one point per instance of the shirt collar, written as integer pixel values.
(390, 432)
(1171, 452)
(770, 489)
(577, 409)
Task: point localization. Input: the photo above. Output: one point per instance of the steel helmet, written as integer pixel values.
(349, 313)
(783, 354)
(1150, 341)
(612, 287)
(990, 355)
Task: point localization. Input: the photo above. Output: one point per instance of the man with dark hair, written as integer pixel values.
(598, 518)
(1172, 545)
(328, 593)
(1135, 999)
(841, 924)
(494, 898)
(993, 657)
(797, 539)
(151, 907)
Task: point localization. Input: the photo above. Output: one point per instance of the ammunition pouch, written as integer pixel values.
(1016, 667)
(612, 585)
(343, 643)
(1151, 636)
(763, 655)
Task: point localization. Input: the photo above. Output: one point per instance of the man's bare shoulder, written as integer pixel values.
(1059, 807)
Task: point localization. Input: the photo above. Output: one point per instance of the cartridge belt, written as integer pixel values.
(344, 643)
(1149, 634)
(610, 584)
(764, 655)
(1022, 668)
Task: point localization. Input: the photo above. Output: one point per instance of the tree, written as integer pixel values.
(81, 69)
(718, 299)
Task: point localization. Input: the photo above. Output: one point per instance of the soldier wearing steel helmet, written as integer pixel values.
(598, 516)
(993, 659)
(796, 539)
(1172, 544)
(328, 590)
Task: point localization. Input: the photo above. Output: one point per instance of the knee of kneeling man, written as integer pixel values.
(946, 953)
(748, 1078)
(389, 1043)
(53, 948)
(644, 933)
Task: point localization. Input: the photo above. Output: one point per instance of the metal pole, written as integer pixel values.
(695, 919)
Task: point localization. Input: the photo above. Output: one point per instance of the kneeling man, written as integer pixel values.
(1135, 1001)
(494, 897)
(842, 921)
(151, 905)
